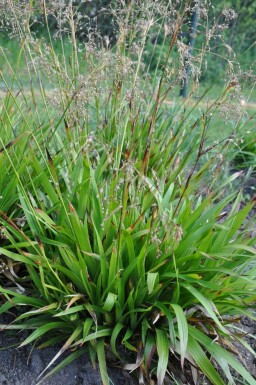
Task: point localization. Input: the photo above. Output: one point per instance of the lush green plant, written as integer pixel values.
(246, 155)
(129, 262)
(127, 242)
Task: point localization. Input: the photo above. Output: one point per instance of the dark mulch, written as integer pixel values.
(22, 366)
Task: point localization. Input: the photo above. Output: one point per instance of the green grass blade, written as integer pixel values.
(42, 330)
(69, 341)
(102, 361)
(218, 352)
(203, 362)
(162, 344)
(207, 304)
(182, 330)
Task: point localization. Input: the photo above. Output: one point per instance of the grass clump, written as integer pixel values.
(245, 157)
(129, 240)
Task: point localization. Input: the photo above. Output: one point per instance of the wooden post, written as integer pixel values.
(191, 43)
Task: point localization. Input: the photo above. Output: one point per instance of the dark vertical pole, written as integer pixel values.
(191, 43)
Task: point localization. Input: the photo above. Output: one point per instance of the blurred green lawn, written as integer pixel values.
(238, 117)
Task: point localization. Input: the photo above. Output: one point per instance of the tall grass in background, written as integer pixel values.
(118, 231)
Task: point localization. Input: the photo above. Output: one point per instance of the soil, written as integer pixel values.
(249, 328)
(22, 366)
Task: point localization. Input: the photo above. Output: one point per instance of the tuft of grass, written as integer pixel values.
(246, 155)
(116, 211)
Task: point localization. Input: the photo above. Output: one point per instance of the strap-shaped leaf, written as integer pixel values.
(203, 362)
(42, 330)
(217, 351)
(102, 361)
(162, 344)
(182, 330)
(110, 302)
(69, 341)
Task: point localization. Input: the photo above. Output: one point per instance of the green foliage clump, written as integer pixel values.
(246, 155)
(113, 210)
